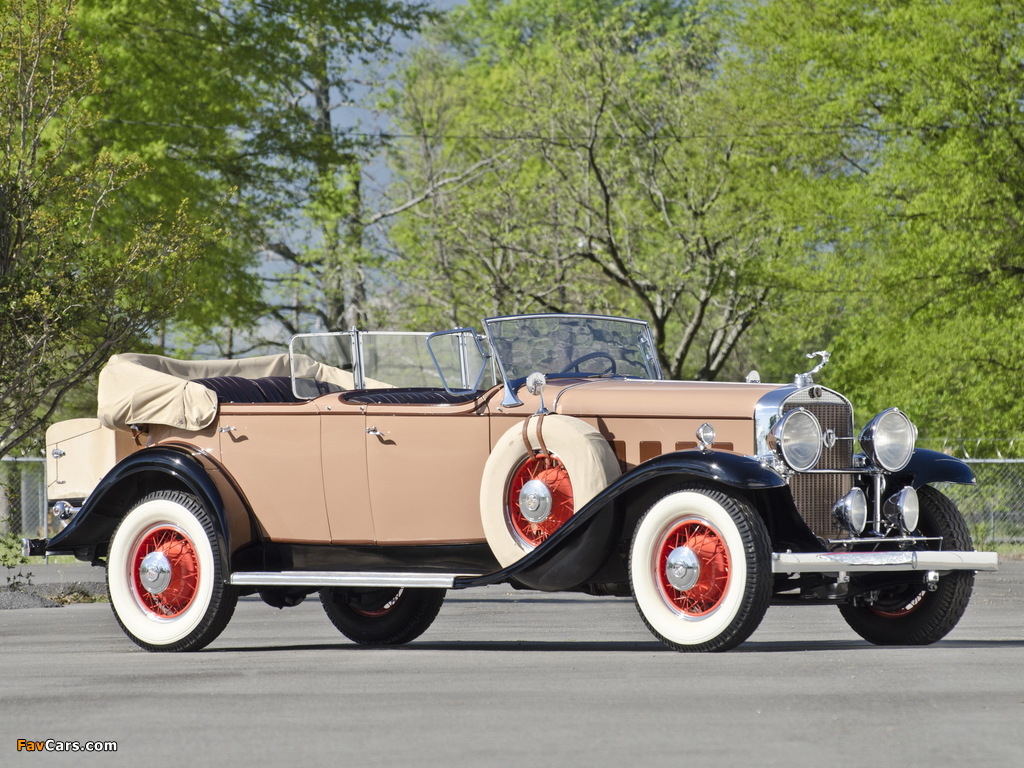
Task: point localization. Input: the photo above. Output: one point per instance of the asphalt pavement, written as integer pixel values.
(43, 585)
(507, 678)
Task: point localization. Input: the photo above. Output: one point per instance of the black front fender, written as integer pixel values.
(730, 469)
(575, 551)
(123, 486)
(928, 467)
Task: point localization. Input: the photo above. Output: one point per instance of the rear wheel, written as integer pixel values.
(164, 575)
(911, 614)
(385, 616)
(700, 569)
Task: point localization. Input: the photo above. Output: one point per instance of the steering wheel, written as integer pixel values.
(574, 365)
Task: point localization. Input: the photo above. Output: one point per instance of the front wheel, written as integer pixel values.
(164, 575)
(700, 568)
(910, 614)
(386, 616)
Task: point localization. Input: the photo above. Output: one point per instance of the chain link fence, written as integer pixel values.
(994, 508)
(23, 508)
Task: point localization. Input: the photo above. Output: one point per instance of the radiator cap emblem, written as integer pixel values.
(806, 379)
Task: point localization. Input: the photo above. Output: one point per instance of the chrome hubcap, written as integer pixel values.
(155, 572)
(535, 501)
(682, 568)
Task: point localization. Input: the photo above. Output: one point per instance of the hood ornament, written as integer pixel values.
(806, 379)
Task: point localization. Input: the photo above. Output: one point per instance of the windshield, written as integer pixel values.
(572, 345)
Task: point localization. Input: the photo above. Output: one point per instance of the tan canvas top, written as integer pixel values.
(152, 389)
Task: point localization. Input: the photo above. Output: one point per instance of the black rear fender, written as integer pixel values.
(135, 477)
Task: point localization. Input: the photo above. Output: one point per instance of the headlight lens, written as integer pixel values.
(796, 438)
(903, 509)
(889, 440)
(852, 511)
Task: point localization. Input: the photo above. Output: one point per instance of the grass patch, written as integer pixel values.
(1006, 551)
(55, 560)
(77, 595)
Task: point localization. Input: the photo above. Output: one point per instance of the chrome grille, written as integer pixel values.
(816, 494)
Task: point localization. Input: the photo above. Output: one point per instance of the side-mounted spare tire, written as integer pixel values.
(540, 473)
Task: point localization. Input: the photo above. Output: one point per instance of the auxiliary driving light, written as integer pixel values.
(903, 509)
(852, 511)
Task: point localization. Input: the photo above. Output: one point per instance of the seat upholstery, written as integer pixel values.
(235, 389)
(409, 396)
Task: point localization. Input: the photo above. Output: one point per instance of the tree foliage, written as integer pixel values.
(244, 100)
(899, 130)
(572, 155)
(69, 297)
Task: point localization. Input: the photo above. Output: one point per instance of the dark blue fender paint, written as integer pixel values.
(725, 468)
(95, 524)
(928, 467)
(573, 552)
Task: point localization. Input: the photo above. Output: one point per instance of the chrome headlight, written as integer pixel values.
(796, 439)
(852, 511)
(888, 440)
(903, 509)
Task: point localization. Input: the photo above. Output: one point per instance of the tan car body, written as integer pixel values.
(316, 472)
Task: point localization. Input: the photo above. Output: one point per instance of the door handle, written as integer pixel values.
(374, 431)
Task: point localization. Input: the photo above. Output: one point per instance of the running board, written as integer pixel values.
(832, 562)
(342, 579)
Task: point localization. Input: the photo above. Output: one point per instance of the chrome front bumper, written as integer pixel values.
(864, 562)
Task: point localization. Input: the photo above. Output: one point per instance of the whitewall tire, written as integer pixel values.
(700, 569)
(164, 575)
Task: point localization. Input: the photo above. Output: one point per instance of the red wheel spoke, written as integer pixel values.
(902, 610)
(713, 558)
(550, 471)
(183, 560)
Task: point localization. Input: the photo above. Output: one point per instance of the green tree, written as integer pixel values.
(68, 296)
(572, 155)
(246, 101)
(898, 135)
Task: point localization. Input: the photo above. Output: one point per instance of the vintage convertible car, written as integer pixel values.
(381, 470)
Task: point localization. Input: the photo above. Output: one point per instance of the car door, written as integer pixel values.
(343, 455)
(272, 453)
(424, 464)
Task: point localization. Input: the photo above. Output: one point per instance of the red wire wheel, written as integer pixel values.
(712, 560)
(550, 471)
(382, 606)
(179, 553)
(700, 568)
(903, 608)
(913, 613)
(165, 574)
(567, 467)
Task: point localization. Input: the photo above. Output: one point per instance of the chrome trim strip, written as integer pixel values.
(563, 390)
(342, 579)
(833, 562)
